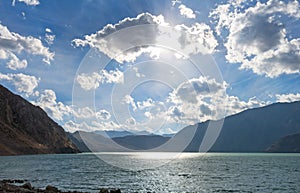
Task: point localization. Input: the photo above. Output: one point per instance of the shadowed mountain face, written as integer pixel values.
(90, 141)
(141, 142)
(252, 130)
(27, 129)
(290, 143)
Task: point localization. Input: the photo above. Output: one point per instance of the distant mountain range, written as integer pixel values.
(254, 130)
(90, 141)
(123, 133)
(27, 129)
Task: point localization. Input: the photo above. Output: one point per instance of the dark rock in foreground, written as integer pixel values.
(7, 186)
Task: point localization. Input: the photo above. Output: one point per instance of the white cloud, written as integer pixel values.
(174, 2)
(14, 62)
(103, 114)
(49, 38)
(89, 81)
(114, 49)
(112, 76)
(48, 30)
(137, 73)
(29, 2)
(63, 113)
(56, 110)
(83, 113)
(201, 99)
(72, 126)
(129, 100)
(195, 39)
(187, 12)
(287, 98)
(93, 81)
(131, 121)
(145, 104)
(22, 82)
(13, 44)
(258, 39)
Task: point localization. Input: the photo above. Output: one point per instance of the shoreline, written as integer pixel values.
(24, 186)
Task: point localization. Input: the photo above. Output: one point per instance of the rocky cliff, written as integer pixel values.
(27, 129)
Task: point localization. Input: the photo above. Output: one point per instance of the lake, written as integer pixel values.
(190, 172)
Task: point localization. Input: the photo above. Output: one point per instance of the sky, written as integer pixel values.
(148, 65)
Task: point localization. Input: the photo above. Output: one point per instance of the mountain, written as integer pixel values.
(290, 144)
(90, 141)
(252, 130)
(27, 129)
(142, 133)
(112, 134)
(141, 142)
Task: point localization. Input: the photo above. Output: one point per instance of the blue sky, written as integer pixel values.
(88, 65)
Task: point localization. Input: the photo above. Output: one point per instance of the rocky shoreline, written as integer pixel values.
(23, 186)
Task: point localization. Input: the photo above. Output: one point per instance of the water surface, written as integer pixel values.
(191, 172)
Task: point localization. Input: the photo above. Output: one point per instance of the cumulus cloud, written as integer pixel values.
(93, 81)
(14, 62)
(129, 100)
(186, 12)
(29, 2)
(115, 47)
(195, 39)
(89, 81)
(258, 38)
(103, 114)
(86, 117)
(201, 99)
(22, 82)
(56, 110)
(12, 44)
(287, 98)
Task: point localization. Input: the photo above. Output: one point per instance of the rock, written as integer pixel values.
(115, 191)
(103, 190)
(51, 189)
(27, 185)
(27, 129)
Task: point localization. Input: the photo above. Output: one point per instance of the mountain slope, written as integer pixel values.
(27, 129)
(252, 130)
(290, 144)
(90, 141)
(141, 142)
(112, 134)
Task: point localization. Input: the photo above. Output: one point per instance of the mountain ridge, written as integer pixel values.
(252, 130)
(27, 129)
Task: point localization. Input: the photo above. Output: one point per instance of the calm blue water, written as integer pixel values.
(211, 172)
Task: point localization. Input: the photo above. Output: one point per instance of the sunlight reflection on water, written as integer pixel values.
(154, 155)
